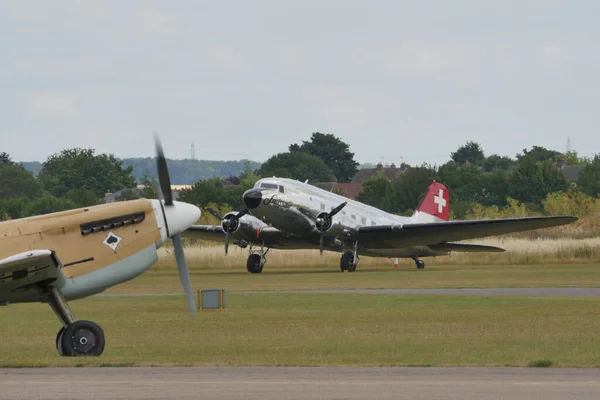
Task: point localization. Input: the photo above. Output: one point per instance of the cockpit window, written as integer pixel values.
(266, 185)
(281, 189)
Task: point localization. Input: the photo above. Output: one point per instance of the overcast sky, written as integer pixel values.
(398, 80)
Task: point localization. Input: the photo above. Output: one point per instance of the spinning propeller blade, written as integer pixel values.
(165, 188)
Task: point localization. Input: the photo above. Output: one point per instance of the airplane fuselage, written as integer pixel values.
(99, 246)
(294, 206)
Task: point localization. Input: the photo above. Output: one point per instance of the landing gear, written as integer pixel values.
(349, 260)
(419, 263)
(256, 260)
(75, 338)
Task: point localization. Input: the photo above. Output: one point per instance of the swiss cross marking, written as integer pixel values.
(440, 201)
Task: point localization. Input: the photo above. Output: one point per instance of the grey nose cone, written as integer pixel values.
(252, 198)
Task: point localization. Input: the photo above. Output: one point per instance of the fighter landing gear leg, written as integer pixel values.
(349, 260)
(419, 263)
(75, 338)
(256, 260)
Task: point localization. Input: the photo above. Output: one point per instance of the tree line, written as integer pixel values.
(479, 183)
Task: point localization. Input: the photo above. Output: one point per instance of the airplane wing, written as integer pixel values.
(271, 237)
(382, 236)
(23, 275)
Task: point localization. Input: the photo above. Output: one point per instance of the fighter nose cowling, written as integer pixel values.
(180, 216)
(252, 198)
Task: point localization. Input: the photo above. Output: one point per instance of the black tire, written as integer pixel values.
(83, 338)
(253, 265)
(420, 264)
(59, 347)
(347, 262)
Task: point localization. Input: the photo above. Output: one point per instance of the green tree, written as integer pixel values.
(497, 162)
(572, 158)
(204, 192)
(470, 152)
(589, 178)
(408, 190)
(334, 152)
(14, 208)
(464, 181)
(539, 154)
(83, 170)
(5, 159)
(532, 180)
(298, 165)
(375, 192)
(16, 182)
(49, 204)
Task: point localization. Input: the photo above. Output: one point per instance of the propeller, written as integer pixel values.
(324, 221)
(166, 196)
(229, 223)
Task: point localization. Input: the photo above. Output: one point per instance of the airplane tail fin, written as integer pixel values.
(435, 205)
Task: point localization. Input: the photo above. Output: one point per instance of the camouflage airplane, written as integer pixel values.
(73, 254)
(288, 214)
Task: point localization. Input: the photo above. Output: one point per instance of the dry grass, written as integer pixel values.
(519, 252)
(287, 329)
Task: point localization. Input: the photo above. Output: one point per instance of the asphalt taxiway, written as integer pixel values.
(269, 383)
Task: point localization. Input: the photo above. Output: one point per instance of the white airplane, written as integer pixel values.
(289, 214)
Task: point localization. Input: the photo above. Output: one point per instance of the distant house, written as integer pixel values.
(571, 172)
(392, 172)
(349, 190)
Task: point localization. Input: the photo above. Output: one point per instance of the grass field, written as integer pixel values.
(166, 280)
(318, 329)
(206, 256)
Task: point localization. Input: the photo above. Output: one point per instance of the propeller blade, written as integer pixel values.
(321, 243)
(242, 213)
(227, 242)
(163, 173)
(215, 214)
(337, 209)
(183, 273)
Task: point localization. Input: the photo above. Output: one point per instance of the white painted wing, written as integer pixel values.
(415, 234)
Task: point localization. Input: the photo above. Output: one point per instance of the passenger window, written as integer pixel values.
(281, 189)
(353, 216)
(373, 223)
(364, 220)
(322, 206)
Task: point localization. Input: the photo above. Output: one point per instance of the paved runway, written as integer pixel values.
(542, 291)
(270, 383)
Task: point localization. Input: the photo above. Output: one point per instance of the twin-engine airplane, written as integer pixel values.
(288, 214)
(73, 254)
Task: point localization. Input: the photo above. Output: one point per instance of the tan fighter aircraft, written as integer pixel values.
(73, 254)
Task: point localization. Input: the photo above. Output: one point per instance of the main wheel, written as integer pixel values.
(83, 338)
(254, 265)
(420, 264)
(59, 336)
(347, 262)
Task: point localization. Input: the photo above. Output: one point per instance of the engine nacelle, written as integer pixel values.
(323, 222)
(230, 223)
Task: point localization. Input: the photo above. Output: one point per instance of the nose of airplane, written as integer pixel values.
(252, 198)
(180, 216)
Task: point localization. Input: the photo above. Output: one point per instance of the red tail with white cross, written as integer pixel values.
(436, 204)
